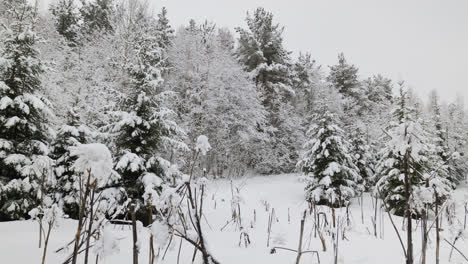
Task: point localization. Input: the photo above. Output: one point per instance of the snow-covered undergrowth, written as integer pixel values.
(256, 197)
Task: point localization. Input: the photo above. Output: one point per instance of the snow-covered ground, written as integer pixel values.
(19, 239)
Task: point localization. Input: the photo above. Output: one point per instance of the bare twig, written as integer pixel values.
(453, 246)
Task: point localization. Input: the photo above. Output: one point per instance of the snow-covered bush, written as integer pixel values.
(94, 160)
(202, 145)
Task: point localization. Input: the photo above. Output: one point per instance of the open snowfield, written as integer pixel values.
(19, 239)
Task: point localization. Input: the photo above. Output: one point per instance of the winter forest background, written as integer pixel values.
(110, 115)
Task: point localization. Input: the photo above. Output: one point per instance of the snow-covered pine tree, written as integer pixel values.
(439, 136)
(24, 114)
(68, 20)
(97, 16)
(331, 175)
(358, 108)
(165, 29)
(143, 127)
(70, 135)
(261, 52)
(343, 77)
(437, 184)
(378, 90)
(403, 159)
(362, 156)
(263, 55)
(306, 77)
(226, 39)
(457, 138)
(375, 114)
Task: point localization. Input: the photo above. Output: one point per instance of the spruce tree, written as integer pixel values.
(437, 186)
(358, 105)
(97, 16)
(23, 114)
(332, 178)
(457, 138)
(142, 127)
(261, 51)
(378, 90)
(70, 135)
(262, 54)
(343, 77)
(305, 80)
(403, 159)
(68, 19)
(226, 39)
(439, 135)
(164, 28)
(362, 156)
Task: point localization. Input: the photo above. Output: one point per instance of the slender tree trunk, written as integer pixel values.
(466, 212)
(375, 215)
(299, 248)
(151, 247)
(409, 231)
(90, 226)
(362, 209)
(80, 219)
(424, 237)
(348, 222)
(333, 216)
(135, 238)
(424, 230)
(46, 241)
(336, 244)
(42, 206)
(437, 230)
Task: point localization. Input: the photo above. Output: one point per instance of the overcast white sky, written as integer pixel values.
(424, 42)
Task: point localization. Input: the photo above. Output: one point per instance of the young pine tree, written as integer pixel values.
(68, 20)
(332, 177)
(68, 136)
(143, 127)
(165, 29)
(305, 79)
(343, 76)
(438, 176)
(97, 16)
(439, 137)
(23, 114)
(403, 159)
(362, 156)
(457, 138)
(262, 53)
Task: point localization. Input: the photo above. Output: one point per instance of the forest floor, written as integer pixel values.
(259, 196)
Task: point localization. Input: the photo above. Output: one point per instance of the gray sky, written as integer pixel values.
(424, 42)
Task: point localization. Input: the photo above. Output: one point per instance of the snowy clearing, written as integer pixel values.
(19, 243)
